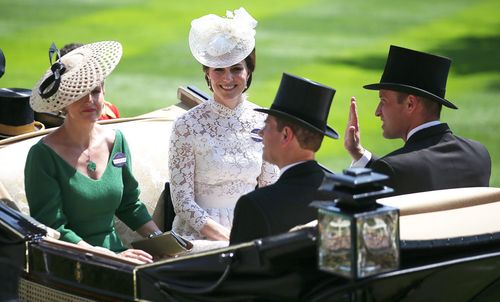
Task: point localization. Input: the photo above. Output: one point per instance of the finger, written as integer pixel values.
(349, 120)
(137, 256)
(144, 259)
(141, 253)
(138, 259)
(352, 135)
(354, 113)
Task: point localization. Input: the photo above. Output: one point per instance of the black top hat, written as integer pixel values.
(16, 115)
(304, 102)
(416, 73)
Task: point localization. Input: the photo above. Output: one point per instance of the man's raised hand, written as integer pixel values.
(352, 137)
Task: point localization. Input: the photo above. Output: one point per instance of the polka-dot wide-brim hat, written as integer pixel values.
(82, 70)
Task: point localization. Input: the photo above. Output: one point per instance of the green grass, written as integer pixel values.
(339, 43)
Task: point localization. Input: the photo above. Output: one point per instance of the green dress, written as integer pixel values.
(79, 207)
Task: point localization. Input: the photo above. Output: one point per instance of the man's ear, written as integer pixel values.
(412, 102)
(287, 135)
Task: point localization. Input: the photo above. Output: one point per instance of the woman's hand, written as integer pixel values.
(103, 250)
(139, 255)
(215, 231)
(96, 248)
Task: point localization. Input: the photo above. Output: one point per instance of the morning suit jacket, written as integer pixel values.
(432, 159)
(278, 207)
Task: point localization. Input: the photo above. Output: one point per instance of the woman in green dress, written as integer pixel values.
(79, 176)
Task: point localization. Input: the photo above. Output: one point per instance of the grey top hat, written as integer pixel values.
(304, 102)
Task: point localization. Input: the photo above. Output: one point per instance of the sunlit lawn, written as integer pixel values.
(338, 43)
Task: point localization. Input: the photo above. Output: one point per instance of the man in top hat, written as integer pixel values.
(412, 93)
(293, 132)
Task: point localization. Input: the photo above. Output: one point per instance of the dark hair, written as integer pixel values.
(307, 138)
(69, 47)
(432, 107)
(250, 60)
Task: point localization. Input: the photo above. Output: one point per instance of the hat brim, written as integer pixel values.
(329, 131)
(15, 93)
(86, 68)
(411, 90)
(7, 131)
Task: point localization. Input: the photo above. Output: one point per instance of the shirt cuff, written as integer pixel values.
(363, 161)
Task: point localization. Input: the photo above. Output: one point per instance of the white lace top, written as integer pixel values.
(213, 160)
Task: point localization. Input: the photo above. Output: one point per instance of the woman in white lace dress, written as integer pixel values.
(215, 155)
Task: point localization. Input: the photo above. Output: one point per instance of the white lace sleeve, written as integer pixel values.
(269, 174)
(181, 165)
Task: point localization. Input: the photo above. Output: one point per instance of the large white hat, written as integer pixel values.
(221, 42)
(81, 71)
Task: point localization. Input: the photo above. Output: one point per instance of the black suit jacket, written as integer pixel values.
(278, 207)
(432, 159)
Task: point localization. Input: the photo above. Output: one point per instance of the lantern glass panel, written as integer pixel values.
(377, 241)
(335, 252)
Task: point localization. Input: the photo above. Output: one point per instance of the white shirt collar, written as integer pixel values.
(282, 170)
(423, 126)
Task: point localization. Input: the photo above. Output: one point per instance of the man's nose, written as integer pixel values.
(378, 111)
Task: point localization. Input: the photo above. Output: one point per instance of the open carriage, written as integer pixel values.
(450, 247)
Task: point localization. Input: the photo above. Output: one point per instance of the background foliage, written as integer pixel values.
(342, 44)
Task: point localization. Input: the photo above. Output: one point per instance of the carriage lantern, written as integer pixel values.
(357, 237)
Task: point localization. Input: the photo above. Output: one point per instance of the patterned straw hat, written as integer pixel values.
(221, 42)
(75, 75)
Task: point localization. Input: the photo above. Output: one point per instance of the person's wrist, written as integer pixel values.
(104, 250)
(361, 151)
(154, 234)
(357, 153)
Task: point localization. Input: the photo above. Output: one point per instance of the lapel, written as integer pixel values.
(428, 132)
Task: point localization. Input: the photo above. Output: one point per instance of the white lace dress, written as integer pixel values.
(213, 160)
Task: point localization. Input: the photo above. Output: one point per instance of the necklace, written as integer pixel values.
(91, 165)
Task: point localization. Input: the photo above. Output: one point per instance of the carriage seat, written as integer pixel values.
(444, 214)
